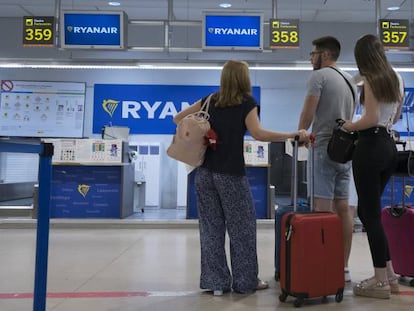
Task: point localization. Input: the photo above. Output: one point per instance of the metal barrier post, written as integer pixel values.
(43, 217)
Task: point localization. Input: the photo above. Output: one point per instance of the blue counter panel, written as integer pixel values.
(86, 191)
(258, 180)
(259, 184)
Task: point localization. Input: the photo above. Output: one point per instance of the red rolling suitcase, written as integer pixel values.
(311, 256)
(293, 206)
(398, 222)
(312, 259)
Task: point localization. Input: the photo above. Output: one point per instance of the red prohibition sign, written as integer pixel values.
(7, 85)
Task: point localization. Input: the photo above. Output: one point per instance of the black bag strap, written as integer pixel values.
(346, 80)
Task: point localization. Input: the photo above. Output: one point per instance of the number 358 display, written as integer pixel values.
(394, 33)
(284, 33)
(38, 31)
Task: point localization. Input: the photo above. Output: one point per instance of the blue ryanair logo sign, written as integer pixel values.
(90, 29)
(232, 31)
(145, 109)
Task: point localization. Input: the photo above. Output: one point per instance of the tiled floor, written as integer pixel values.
(149, 261)
(123, 269)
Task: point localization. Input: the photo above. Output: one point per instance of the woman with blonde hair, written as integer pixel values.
(224, 199)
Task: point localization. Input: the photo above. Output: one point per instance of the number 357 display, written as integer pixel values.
(38, 31)
(284, 33)
(395, 33)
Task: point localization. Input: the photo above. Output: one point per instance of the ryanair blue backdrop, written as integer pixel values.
(145, 109)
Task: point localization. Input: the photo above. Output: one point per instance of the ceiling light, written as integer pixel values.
(225, 5)
(393, 8)
(114, 3)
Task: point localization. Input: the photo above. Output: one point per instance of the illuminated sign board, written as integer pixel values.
(38, 31)
(232, 31)
(394, 33)
(93, 30)
(146, 109)
(284, 33)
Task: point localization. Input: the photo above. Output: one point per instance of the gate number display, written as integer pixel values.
(394, 33)
(38, 31)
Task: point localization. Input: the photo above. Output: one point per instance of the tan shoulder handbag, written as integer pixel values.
(189, 143)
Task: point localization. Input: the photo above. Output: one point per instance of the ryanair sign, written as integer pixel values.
(235, 31)
(145, 109)
(93, 30)
(100, 30)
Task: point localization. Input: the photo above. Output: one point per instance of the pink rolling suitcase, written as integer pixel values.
(398, 222)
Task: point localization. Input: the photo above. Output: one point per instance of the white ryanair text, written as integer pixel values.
(236, 31)
(158, 109)
(77, 29)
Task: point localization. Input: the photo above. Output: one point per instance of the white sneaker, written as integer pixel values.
(347, 276)
(218, 293)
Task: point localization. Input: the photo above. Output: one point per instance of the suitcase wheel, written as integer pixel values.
(339, 296)
(283, 296)
(298, 302)
(406, 280)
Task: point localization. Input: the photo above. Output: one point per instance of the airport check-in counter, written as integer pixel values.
(91, 179)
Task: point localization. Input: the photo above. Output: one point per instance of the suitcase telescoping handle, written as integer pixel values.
(311, 149)
(393, 204)
(294, 178)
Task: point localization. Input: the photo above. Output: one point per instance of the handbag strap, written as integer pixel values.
(346, 80)
(206, 104)
(203, 112)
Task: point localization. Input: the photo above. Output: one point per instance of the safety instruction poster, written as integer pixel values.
(42, 109)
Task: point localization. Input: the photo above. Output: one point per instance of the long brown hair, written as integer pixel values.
(374, 66)
(234, 84)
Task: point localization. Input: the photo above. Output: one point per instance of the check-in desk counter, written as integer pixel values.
(91, 179)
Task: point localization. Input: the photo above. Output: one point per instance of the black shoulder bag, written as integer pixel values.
(342, 143)
(405, 161)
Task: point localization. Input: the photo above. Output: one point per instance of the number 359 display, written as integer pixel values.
(394, 33)
(284, 33)
(38, 31)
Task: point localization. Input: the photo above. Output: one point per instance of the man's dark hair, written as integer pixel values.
(328, 43)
